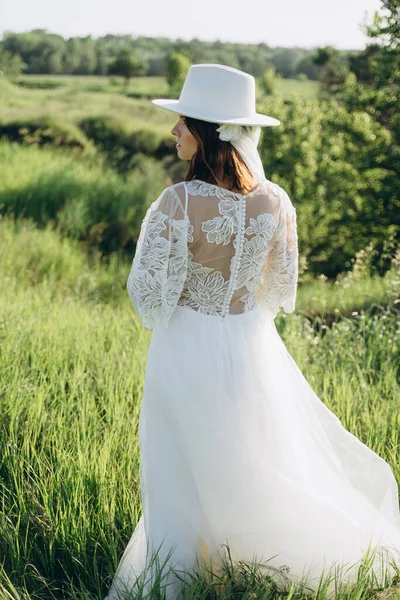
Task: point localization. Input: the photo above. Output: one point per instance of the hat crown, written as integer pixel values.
(219, 90)
(218, 94)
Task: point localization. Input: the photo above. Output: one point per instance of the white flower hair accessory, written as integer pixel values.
(230, 133)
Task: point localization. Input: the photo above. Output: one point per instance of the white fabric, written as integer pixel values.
(245, 140)
(236, 448)
(222, 253)
(218, 94)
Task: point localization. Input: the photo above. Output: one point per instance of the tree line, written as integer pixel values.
(41, 52)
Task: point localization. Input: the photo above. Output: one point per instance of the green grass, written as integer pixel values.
(152, 86)
(84, 198)
(94, 83)
(305, 89)
(330, 298)
(75, 102)
(72, 360)
(78, 97)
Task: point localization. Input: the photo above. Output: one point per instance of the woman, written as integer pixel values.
(237, 451)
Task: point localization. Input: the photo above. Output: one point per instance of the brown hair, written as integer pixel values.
(216, 159)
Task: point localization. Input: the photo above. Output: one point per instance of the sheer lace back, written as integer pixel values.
(215, 251)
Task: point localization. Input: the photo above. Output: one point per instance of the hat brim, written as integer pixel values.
(176, 107)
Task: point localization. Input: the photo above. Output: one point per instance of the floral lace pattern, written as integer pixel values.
(254, 255)
(165, 272)
(279, 281)
(205, 289)
(196, 187)
(245, 272)
(220, 229)
(159, 267)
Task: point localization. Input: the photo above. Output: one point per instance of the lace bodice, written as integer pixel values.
(215, 251)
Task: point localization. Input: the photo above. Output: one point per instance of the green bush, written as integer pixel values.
(120, 141)
(335, 166)
(39, 84)
(44, 130)
(106, 132)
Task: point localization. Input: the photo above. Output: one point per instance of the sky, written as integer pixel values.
(287, 23)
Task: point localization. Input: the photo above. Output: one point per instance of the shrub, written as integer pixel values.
(38, 84)
(83, 199)
(44, 130)
(118, 139)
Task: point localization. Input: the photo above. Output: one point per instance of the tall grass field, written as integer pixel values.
(72, 361)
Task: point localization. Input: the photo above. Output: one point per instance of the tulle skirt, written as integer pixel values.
(238, 452)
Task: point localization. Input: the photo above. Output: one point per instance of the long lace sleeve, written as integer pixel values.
(159, 266)
(280, 275)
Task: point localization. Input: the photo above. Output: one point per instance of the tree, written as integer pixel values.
(324, 55)
(102, 62)
(127, 65)
(11, 65)
(177, 67)
(88, 58)
(55, 62)
(360, 62)
(378, 99)
(306, 66)
(387, 26)
(333, 69)
(379, 96)
(268, 81)
(72, 55)
(285, 61)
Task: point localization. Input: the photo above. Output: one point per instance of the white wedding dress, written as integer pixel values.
(236, 448)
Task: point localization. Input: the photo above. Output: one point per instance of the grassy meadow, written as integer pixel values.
(78, 96)
(73, 355)
(72, 362)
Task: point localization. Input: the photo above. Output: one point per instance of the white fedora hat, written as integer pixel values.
(218, 94)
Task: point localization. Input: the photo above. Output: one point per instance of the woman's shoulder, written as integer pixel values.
(174, 194)
(282, 196)
(274, 188)
(172, 201)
